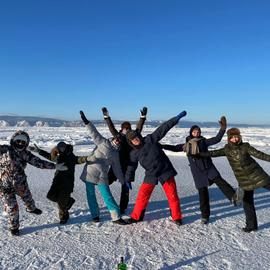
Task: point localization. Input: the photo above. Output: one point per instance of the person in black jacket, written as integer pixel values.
(124, 152)
(63, 181)
(158, 168)
(203, 170)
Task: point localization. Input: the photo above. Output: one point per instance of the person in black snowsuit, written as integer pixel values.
(63, 181)
(203, 170)
(124, 152)
(158, 168)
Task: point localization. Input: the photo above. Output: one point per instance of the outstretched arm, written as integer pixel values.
(140, 123)
(81, 159)
(258, 154)
(218, 137)
(37, 162)
(162, 130)
(173, 148)
(109, 122)
(94, 134)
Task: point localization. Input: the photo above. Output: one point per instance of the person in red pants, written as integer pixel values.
(158, 168)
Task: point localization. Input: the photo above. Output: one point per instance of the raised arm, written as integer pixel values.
(140, 123)
(258, 154)
(94, 134)
(109, 122)
(218, 137)
(162, 130)
(173, 148)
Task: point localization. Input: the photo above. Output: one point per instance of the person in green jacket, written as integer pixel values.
(249, 174)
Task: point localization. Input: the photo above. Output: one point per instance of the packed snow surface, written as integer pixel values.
(155, 243)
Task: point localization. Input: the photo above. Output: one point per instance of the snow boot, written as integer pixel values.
(248, 230)
(178, 222)
(131, 221)
(64, 218)
(15, 232)
(36, 211)
(95, 219)
(204, 221)
(120, 221)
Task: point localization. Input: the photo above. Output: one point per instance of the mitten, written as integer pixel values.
(182, 114)
(105, 112)
(223, 122)
(85, 120)
(143, 112)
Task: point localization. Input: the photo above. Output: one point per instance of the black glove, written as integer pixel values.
(85, 120)
(143, 112)
(105, 112)
(223, 122)
(181, 114)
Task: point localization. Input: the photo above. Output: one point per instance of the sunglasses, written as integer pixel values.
(20, 142)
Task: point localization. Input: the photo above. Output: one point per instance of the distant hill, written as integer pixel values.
(10, 120)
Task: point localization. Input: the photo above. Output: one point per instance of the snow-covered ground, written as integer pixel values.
(155, 243)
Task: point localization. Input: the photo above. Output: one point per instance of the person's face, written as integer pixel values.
(196, 133)
(136, 141)
(235, 139)
(124, 131)
(20, 144)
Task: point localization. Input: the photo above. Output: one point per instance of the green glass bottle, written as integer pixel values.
(122, 265)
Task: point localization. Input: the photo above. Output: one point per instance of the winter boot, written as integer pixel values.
(64, 218)
(15, 232)
(131, 221)
(120, 221)
(204, 221)
(248, 230)
(95, 219)
(36, 211)
(178, 222)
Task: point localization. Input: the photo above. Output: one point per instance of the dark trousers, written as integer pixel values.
(249, 208)
(226, 189)
(124, 199)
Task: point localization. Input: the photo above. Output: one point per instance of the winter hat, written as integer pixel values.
(61, 146)
(233, 132)
(20, 136)
(193, 128)
(131, 134)
(125, 125)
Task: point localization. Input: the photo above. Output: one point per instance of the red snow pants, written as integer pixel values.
(144, 194)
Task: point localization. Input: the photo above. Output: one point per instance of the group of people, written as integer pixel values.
(118, 158)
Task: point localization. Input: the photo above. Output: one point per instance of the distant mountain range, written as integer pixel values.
(24, 121)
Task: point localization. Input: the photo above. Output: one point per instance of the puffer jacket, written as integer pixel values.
(13, 163)
(99, 161)
(158, 167)
(249, 174)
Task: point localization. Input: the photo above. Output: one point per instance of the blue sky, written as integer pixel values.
(207, 57)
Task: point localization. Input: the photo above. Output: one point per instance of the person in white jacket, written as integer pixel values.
(95, 172)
